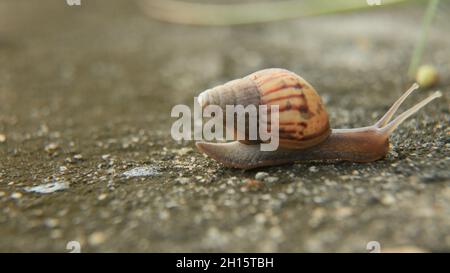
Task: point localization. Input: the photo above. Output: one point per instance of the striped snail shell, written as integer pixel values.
(303, 120)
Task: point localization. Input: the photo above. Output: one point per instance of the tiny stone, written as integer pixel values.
(142, 171)
(16, 195)
(164, 215)
(2, 138)
(78, 156)
(51, 222)
(434, 177)
(97, 238)
(62, 169)
(261, 175)
(260, 218)
(184, 151)
(102, 196)
(427, 76)
(271, 179)
(250, 184)
(343, 212)
(51, 147)
(56, 234)
(276, 232)
(313, 169)
(388, 199)
(290, 190)
(2, 193)
(318, 199)
(49, 187)
(182, 180)
(317, 217)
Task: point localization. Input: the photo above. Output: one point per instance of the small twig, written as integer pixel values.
(420, 46)
(176, 11)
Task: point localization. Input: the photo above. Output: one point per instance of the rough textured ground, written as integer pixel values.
(86, 94)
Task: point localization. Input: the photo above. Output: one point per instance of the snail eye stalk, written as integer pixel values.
(387, 117)
(391, 126)
(386, 126)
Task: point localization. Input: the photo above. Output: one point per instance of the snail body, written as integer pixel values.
(304, 129)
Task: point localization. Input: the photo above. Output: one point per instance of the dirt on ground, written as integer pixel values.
(85, 99)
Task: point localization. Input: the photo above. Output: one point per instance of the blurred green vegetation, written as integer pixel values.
(221, 13)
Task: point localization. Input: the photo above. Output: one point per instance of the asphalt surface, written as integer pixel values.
(85, 98)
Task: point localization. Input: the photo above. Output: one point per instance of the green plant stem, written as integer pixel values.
(420, 46)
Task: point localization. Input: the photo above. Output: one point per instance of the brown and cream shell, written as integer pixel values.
(303, 120)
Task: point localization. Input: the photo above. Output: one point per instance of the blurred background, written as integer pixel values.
(85, 97)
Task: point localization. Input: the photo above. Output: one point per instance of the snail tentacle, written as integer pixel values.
(387, 117)
(391, 126)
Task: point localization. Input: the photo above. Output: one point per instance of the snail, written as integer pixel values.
(304, 130)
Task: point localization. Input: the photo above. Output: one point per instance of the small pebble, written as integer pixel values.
(388, 199)
(343, 212)
(164, 215)
(251, 184)
(318, 199)
(184, 151)
(434, 177)
(16, 195)
(56, 234)
(313, 169)
(182, 180)
(275, 233)
(261, 175)
(2, 138)
(102, 196)
(260, 218)
(51, 222)
(97, 238)
(49, 187)
(51, 147)
(427, 76)
(142, 171)
(317, 217)
(271, 179)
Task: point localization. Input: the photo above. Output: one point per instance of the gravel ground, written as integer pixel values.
(85, 99)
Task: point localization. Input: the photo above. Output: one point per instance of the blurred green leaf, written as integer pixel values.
(192, 13)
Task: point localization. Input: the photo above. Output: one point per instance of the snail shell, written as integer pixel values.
(303, 120)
